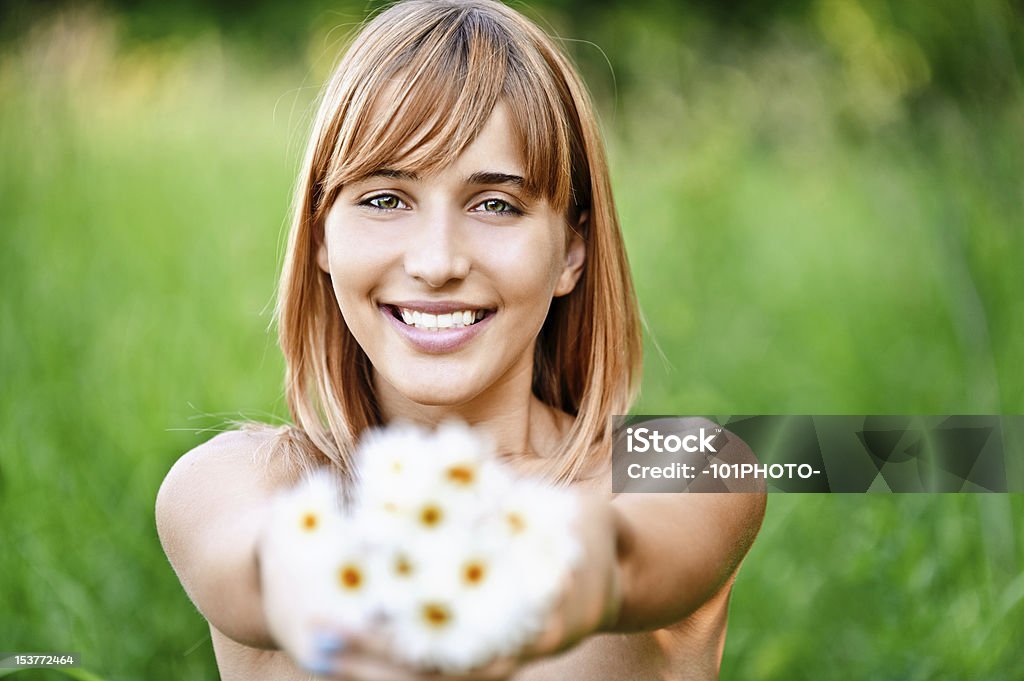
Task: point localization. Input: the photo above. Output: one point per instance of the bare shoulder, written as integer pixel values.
(238, 463)
(209, 513)
(248, 448)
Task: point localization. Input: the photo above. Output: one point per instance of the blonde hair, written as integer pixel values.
(414, 89)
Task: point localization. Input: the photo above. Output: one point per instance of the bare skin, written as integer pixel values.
(677, 561)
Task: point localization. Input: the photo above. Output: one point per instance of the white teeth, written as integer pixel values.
(432, 322)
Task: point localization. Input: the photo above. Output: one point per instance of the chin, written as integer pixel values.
(435, 393)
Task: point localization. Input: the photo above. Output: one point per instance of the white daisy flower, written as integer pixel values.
(309, 511)
(426, 514)
(403, 566)
(534, 522)
(435, 513)
(352, 579)
(459, 454)
(412, 480)
(393, 463)
(393, 474)
(460, 607)
(312, 544)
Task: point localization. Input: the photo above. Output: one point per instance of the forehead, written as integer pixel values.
(498, 142)
(493, 156)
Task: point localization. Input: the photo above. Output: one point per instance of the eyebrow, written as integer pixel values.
(482, 177)
(394, 174)
(495, 178)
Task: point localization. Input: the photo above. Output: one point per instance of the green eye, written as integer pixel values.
(385, 202)
(497, 206)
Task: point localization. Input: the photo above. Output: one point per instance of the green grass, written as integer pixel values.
(790, 258)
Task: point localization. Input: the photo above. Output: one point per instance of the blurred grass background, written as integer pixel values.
(822, 201)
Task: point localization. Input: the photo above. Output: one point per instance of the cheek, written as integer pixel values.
(356, 265)
(528, 267)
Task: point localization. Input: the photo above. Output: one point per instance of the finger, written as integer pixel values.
(349, 665)
(320, 655)
(353, 666)
(498, 669)
(360, 667)
(553, 630)
(367, 643)
(570, 618)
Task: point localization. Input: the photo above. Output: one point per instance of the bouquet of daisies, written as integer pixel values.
(457, 560)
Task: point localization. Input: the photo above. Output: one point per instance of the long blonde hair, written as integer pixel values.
(414, 89)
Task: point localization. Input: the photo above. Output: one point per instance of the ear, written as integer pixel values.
(575, 255)
(321, 256)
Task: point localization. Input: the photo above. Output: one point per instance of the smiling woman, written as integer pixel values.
(445, 281)
(455, 253)
(421, 89)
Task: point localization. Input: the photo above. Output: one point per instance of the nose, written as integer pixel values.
(438, 256)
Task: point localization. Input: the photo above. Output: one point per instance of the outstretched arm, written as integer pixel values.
(649, 560)
(210, 512)
(677, 550)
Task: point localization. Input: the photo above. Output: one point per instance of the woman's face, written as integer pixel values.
(446, 279)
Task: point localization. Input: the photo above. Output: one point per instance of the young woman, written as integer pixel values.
(455, 252)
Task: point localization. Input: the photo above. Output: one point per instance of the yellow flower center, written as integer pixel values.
(350, 577)
(474, 572)
(436, 615)
(310, 521)
(462, 475)
(516, 523)
(431, 515)
(403, 567)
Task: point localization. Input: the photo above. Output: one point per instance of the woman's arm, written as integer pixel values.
(210, 512)
(677, 550)
(651, 559)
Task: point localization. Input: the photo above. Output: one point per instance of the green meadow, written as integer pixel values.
(822, 207)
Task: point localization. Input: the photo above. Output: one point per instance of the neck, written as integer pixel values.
(517, 422)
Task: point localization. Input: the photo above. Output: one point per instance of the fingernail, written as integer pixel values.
(327, 642)
(320, 665)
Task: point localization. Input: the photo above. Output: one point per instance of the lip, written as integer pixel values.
(437, 306)
(441, 341)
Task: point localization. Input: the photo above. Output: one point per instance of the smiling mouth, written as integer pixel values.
(427, 321)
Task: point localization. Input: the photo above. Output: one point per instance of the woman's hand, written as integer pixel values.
(293, 607)
(589, 602)
(592, 594)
